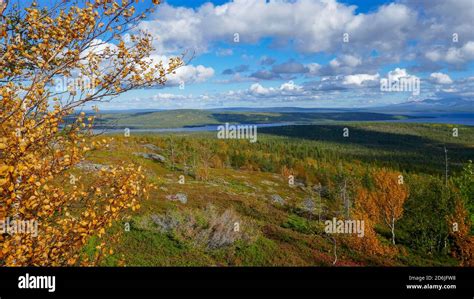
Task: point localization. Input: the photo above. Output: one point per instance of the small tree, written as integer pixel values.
(460, 224)
(388, 198)
(41, 47)
(465, 183)
(365, 210)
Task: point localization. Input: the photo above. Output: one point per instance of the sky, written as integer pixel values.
(309, 53)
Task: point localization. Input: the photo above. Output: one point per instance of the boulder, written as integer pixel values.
(152, 147)
(278, 199)
(181, 197)
(309, 205)
(88, 166)
(151, 156)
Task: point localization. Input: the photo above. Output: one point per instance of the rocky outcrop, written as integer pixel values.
(277, 199)
(88, 166)
(181, 197)
(151, 156)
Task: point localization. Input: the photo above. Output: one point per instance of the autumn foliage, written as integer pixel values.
(382, 205)
(463, 248)
(387, 200)
(38, 147)
(370, 244)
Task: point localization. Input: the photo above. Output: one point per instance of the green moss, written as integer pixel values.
(146, 248)
(260, 253)
(298, 224)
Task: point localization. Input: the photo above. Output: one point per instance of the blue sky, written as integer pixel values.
(309, 53)
(362, 6)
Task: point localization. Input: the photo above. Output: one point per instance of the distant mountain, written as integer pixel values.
(429, 106)
(448, 105)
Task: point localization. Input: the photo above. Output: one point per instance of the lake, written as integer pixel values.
(440, 118)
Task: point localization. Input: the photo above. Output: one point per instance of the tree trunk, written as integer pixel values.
(320, 207)
(393, 230)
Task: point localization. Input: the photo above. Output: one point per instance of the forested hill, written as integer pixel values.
(189, 117)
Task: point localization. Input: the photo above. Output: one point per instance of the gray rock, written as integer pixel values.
(151, 156)
(278, 199)
(181, 197)
(165, 223)
(309, 205)
(88, 166)
(152, 147)
(299, 183)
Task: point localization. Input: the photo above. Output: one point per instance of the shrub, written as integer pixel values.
(208, 228)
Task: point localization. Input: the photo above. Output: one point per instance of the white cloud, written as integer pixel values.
(311, 26)
(358, 79)
(399, 73)
(286, 89)
(290, 87)
(326, 92)
(348, 60)
(388, 28)
(344, 64)
(258, 90)
(313, 69)
(434, 55)
(190, 74)
(453, 55)
(442, 19)
(98, 46)
(440, 78)
(319, 25)
(168, 96)
(463, 54)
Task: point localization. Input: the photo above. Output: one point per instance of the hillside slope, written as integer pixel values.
(229, 202)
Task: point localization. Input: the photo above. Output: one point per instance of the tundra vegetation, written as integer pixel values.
(410, 216)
